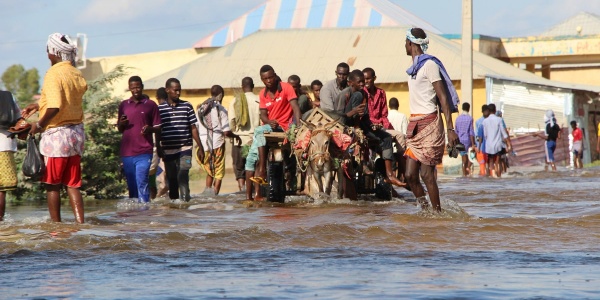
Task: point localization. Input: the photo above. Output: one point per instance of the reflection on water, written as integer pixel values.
(528, 235)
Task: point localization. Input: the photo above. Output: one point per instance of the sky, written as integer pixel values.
(120, 27)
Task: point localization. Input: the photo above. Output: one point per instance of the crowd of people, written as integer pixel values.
(158, 137)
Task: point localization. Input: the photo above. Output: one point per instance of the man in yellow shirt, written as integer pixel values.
(61, 125)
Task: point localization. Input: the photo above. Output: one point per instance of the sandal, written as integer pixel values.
(259, 180)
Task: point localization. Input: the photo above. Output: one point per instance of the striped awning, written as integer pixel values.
(285, 14)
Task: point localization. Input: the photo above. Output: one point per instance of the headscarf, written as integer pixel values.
(66, 51)
(424, 43)
(549, 118)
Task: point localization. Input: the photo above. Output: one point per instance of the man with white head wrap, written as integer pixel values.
(61, 125)
(431, 94)
(552, 134)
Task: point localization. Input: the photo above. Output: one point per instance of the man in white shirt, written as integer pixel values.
(244, 117)
(396, 118)
(494, 134)
(425, 138)
(212, 130)
(8, 147)
(400, 123)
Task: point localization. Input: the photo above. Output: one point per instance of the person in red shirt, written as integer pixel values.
(577, 145)
(278, 109)
(377, 102)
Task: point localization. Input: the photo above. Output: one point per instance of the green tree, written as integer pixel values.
(24, 84)
(100, 163)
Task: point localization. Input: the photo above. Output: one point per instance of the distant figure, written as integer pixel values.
(399, 121)
(303, 99)
(315, 87)
(8, 147)
(577, 145)
(138, 118)
(243, 119)
(552, 134)
(504, 156)
(61, 124)
(212, 130)
(482, 157)
(178, 134)
(494, 134)
(158, 179)
(466, 135)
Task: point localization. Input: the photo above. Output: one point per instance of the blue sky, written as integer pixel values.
(117, 27)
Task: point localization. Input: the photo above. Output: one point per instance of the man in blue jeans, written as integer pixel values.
(138, 118)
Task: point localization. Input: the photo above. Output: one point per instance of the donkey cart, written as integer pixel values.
(327, 156)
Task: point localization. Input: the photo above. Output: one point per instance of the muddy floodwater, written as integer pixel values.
(531, 235)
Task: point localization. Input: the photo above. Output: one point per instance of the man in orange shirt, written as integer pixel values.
(61, 125)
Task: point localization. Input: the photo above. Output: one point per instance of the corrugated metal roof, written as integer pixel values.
(286, 14)
(587, 22)
(314, 53)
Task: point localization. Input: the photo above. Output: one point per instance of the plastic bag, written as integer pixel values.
(33, 165)
(9, 110)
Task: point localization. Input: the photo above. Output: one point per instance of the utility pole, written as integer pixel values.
(466, 79)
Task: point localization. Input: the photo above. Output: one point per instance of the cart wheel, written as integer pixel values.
(275, 191)
(383, 190)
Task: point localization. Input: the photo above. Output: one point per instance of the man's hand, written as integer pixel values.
(146, 130)
(273, 123)
(35, 129)
(30, 110)
(452, 138)
(159, 151)
(360, 110)
(238, 140)
(200, 154)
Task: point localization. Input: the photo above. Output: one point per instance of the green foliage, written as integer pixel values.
(24, 84)
(100, 163)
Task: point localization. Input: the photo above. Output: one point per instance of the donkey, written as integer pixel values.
(318, 155)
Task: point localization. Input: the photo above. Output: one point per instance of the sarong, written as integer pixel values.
(63, 141)
(217, 159)
(425, 139)
(8, 171)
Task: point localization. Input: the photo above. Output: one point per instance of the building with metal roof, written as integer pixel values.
(581, 24)
(293, 14)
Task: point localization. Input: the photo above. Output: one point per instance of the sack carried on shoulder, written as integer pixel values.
(33, 165)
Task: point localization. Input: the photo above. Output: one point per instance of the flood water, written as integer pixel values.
(532, 235)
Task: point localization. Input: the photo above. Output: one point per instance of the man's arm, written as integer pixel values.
(296, 110)
(326, 99)
(196, 138)
(43, 122)
(264, 117)
(438, 86)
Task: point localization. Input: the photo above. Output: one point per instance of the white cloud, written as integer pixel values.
(107, 11)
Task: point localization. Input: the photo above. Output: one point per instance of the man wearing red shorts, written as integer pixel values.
(61, 124)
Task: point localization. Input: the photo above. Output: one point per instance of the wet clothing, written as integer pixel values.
(217, 159)
(137, 170)
(425, 139)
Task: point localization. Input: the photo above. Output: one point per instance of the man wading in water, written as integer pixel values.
(425, 134)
